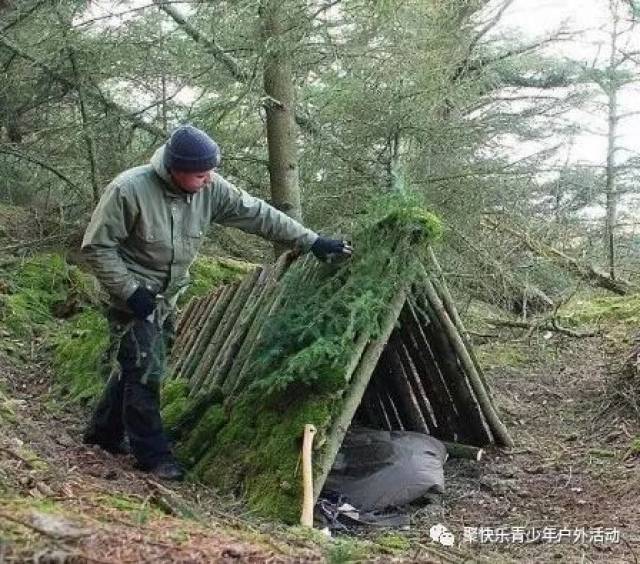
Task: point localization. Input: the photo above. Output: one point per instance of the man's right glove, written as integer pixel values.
(326, 249)
(142, 302)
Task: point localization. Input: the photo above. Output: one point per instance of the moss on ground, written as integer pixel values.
(33, 289)
(602, 310)
(500, 354)
(79, 355)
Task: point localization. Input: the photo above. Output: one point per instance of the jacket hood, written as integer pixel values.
(157, 162)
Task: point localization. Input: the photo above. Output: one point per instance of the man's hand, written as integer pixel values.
(327, 249)
(142, 302)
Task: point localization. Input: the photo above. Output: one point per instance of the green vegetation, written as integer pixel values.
(602, 310)
(32, 292)
(35, 287)
(79, 349)
(311, 339)
(393, 542)
(207, 273)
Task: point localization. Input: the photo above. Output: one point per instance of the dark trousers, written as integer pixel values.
(130, 402)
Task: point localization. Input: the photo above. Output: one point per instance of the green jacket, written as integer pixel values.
(147, 231)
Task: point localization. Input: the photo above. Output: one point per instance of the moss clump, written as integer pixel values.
(201, 437)
(414, 223)
(344, 550)
(39, 284)
(33, 288)
(393, 542)
(262, 443)
(605, 309)
(174, 401)
(79, 355)
(207, 273)
(500, 354)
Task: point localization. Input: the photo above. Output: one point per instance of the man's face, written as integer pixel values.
(191, 182)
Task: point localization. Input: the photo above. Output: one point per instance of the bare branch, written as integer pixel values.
(36, 160)
(488, 26)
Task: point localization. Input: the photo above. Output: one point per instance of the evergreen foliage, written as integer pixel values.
(310, 340)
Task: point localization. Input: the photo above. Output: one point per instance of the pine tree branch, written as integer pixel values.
(242, 76)
(95, 93)
(35, 160)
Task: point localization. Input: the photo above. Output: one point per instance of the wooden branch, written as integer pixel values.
(497, 426)
(222, 331)
(95, 93)
(441, 287)
(436, 386)
(583, 270)
(35, 160)
(355, 392)
(468, 422)
(546, 325)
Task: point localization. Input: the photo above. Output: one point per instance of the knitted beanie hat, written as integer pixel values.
(191, 150)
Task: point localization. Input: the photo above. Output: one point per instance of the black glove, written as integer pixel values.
(142, 302)
(326, 249)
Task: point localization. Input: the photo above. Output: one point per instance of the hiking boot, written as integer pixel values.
(168, 470)
(119, 448)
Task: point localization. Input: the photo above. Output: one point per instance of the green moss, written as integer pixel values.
(413, 222)
(120, 502)
(174, 401)
(79, 349)
(343, 550)
(202, 436)
(393, 542)
(207, 273)
(605, 309)
(36, 286)
(262, 443)
(501, 354)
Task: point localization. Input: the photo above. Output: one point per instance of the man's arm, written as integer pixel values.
(110, 225)
(236, 208)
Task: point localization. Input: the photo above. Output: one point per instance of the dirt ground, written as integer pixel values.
(568, 472)
(79, 504)
(65, 502)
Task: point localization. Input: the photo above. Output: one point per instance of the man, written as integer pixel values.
(143, 236)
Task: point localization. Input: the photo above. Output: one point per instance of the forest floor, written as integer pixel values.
(568, 472)
(569, 487)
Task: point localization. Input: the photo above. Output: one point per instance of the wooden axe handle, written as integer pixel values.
(306, 519)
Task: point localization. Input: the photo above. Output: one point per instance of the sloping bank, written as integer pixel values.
(55, 305)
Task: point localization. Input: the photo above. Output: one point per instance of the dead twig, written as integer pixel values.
(549, 325)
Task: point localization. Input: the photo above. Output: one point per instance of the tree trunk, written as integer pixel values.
(280, 111)
(612, 86)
